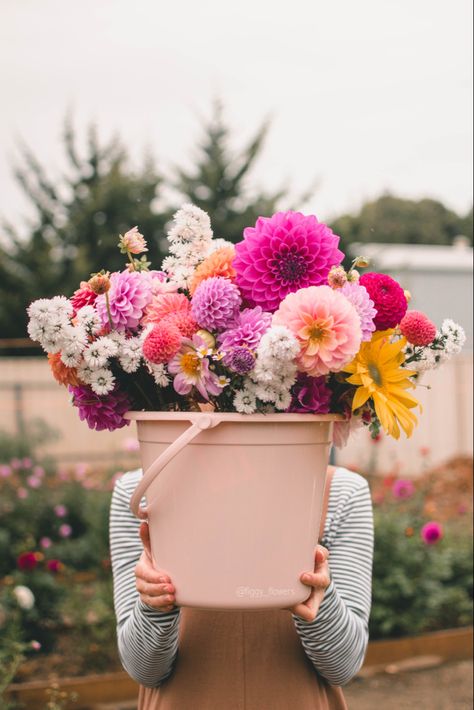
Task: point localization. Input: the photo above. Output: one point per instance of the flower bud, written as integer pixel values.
(133, 242)
(407, 295)
(353, 276)
(362, 262)
(337, 277)
(100, 283)
(208, 338)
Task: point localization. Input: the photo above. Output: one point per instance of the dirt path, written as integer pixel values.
(448, 687)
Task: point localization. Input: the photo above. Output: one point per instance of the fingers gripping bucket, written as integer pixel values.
(234, 503)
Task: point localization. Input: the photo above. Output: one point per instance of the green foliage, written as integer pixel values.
(394, 220)
(418, 587)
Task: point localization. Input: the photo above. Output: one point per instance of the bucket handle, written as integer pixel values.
(202, 422)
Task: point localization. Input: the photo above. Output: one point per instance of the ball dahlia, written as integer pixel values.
(360, 299)
(219, 263)
(165, 304)
(129, 294)
(184, 322)
(326, 326)
(283, 254)
(388, 297)
(215, 303)
(162, 342)
(417, 328)
(249, 326)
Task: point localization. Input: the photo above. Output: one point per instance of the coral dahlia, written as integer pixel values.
(326, 326)
(388, 297)
(165, 304)
(417, 328)
(61, 373)
(282, 254)
(219, 263)
(162, 342)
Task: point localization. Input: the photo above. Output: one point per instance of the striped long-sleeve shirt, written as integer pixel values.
(335, 641)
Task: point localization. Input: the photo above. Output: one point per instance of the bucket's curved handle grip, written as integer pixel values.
(204, 421)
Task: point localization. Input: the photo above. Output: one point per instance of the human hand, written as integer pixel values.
(319, 580)
(153, 585)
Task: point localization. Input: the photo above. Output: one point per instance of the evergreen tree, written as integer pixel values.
(75, 225)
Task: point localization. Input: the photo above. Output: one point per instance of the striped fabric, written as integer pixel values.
(335, 642)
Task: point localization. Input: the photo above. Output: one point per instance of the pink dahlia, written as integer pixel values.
(162, 342)
(282, 254)
(403, 489)
(101, 412)
(248, 328)
(215, 303)
(388, 297)
(431, 532)
(311, 395)
(129, 294)
(326, 325)
(184, 322)
(191, 369)
(164, 304)
(360, 299)
(417, 328)
(83, 296)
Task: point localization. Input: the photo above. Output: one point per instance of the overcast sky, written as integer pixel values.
(365, 95)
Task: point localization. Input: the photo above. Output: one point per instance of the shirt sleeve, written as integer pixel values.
(147, 638)
(336, 641)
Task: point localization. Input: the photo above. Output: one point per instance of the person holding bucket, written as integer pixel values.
(299, 657)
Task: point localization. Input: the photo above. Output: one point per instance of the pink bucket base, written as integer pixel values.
(234, 517)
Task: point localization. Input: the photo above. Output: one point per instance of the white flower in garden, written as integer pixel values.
(245, 401)
(24, 597)
(102, 381)
(159, 374)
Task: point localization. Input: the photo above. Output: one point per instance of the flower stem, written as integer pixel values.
(107, 304)
(130, 258)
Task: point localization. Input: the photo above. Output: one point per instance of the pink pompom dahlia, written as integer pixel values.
(162, 342)
(165, 304)
(388, 297)
(431, 532)
(417, 328)
(184, 322)
(215, 303)
(283, 254)
(360, 299)
(129, 295)
(325, 324)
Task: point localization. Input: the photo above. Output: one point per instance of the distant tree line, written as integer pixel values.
(77, 217)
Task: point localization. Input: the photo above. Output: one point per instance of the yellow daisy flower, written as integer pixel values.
(378, 374)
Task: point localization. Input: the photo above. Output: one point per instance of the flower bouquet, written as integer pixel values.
(272, 331)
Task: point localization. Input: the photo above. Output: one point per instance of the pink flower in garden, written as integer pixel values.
(83, 296)
(80, 470)
(162, 342)
(282, 254)
(33, 481)
(403, 489)
(27, 561)
(15, 464)
(5, 470)
(65, 530)
(417, 328)
(247, 330)
(60, 510)
(165, 304)
(129, 294)
(326, 325)
(310, 395)
(431, 532)
(26, 463)
(101, 412)
(184, 322)
(191, 369)
(46, 543)
(22, 493)
(38, 471)
(55, 566)
(216, 303)
(35, 645)
(388, 297)
(133, 241)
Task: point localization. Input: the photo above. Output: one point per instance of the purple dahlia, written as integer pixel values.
(101, 412)
(311, 395)
(247, 330)
(215, 303)
(282, 254)
(360, 299)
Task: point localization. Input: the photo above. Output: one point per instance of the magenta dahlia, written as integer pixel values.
(101, 412)
(129, 294)
(282, 254)
(417, 328)
(247, 330)
(83, 296)
(215, 303)
(388, 297)
(311, 395)
(431, 532)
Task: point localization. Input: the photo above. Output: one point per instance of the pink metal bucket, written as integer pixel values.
(234, 503)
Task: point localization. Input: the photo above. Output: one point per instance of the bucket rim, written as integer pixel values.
(135, 415)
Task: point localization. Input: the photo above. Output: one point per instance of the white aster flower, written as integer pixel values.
(245, 401)
(454, 336)
(102, 381)
(159, 374)
(279, 343)
(130, 363)
(98, 353)
(283, 401)
(71, 358)
(40, 310)
(88, 317)
(74, 338)
(84, 372)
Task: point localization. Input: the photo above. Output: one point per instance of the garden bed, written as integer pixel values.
(84, 692)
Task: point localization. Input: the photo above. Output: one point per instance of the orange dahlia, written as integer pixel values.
(63, 374)
(219, 263)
